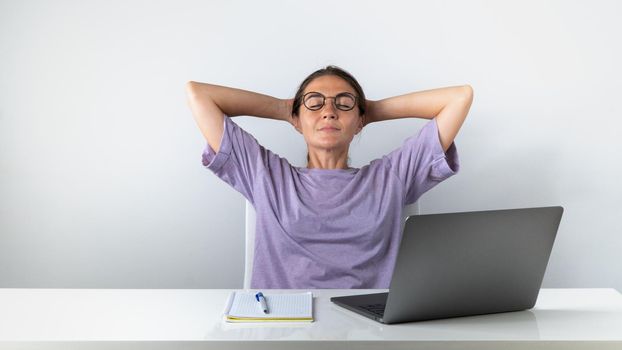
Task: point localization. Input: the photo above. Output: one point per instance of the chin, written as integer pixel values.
(331, 145)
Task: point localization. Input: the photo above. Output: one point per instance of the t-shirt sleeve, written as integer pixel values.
(239, 160)
(420, 163)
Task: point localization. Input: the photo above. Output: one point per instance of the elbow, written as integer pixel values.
(467, 92)
(191, 87)
(467, 99)
(464, 96)
(195, 89)
(192, 93)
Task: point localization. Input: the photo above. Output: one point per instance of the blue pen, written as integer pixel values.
(262, 301)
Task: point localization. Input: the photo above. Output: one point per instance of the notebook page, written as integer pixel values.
(290, 305)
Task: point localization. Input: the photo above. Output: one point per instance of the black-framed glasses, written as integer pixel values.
(314, 101)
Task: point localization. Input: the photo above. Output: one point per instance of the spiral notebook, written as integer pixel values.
(283, 307)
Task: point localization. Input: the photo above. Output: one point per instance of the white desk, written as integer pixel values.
(192, 319)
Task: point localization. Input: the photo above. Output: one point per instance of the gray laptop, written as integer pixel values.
(463, 264)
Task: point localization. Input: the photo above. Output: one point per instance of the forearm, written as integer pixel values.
(234, 102)
(449, 106)
(425, 104)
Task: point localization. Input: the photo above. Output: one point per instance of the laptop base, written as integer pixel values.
(368, 305)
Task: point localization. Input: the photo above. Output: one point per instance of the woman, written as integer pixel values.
(328, 225)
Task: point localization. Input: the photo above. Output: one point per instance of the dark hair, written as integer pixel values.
(330, 70)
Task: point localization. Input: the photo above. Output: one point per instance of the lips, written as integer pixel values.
(329, 128)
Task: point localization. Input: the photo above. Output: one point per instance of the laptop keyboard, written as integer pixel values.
(376, 309)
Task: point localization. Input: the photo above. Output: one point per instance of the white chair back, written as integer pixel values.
(250, 244)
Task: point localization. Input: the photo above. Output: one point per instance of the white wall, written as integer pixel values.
(101, 183)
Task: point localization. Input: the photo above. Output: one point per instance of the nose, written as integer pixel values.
(329, 111)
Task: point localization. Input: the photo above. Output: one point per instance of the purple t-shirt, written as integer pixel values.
(319, 228)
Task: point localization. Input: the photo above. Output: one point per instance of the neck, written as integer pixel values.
(328, 159)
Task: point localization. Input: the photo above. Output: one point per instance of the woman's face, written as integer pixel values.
(329, 127)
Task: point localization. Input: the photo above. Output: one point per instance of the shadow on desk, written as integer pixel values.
(507, 326)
